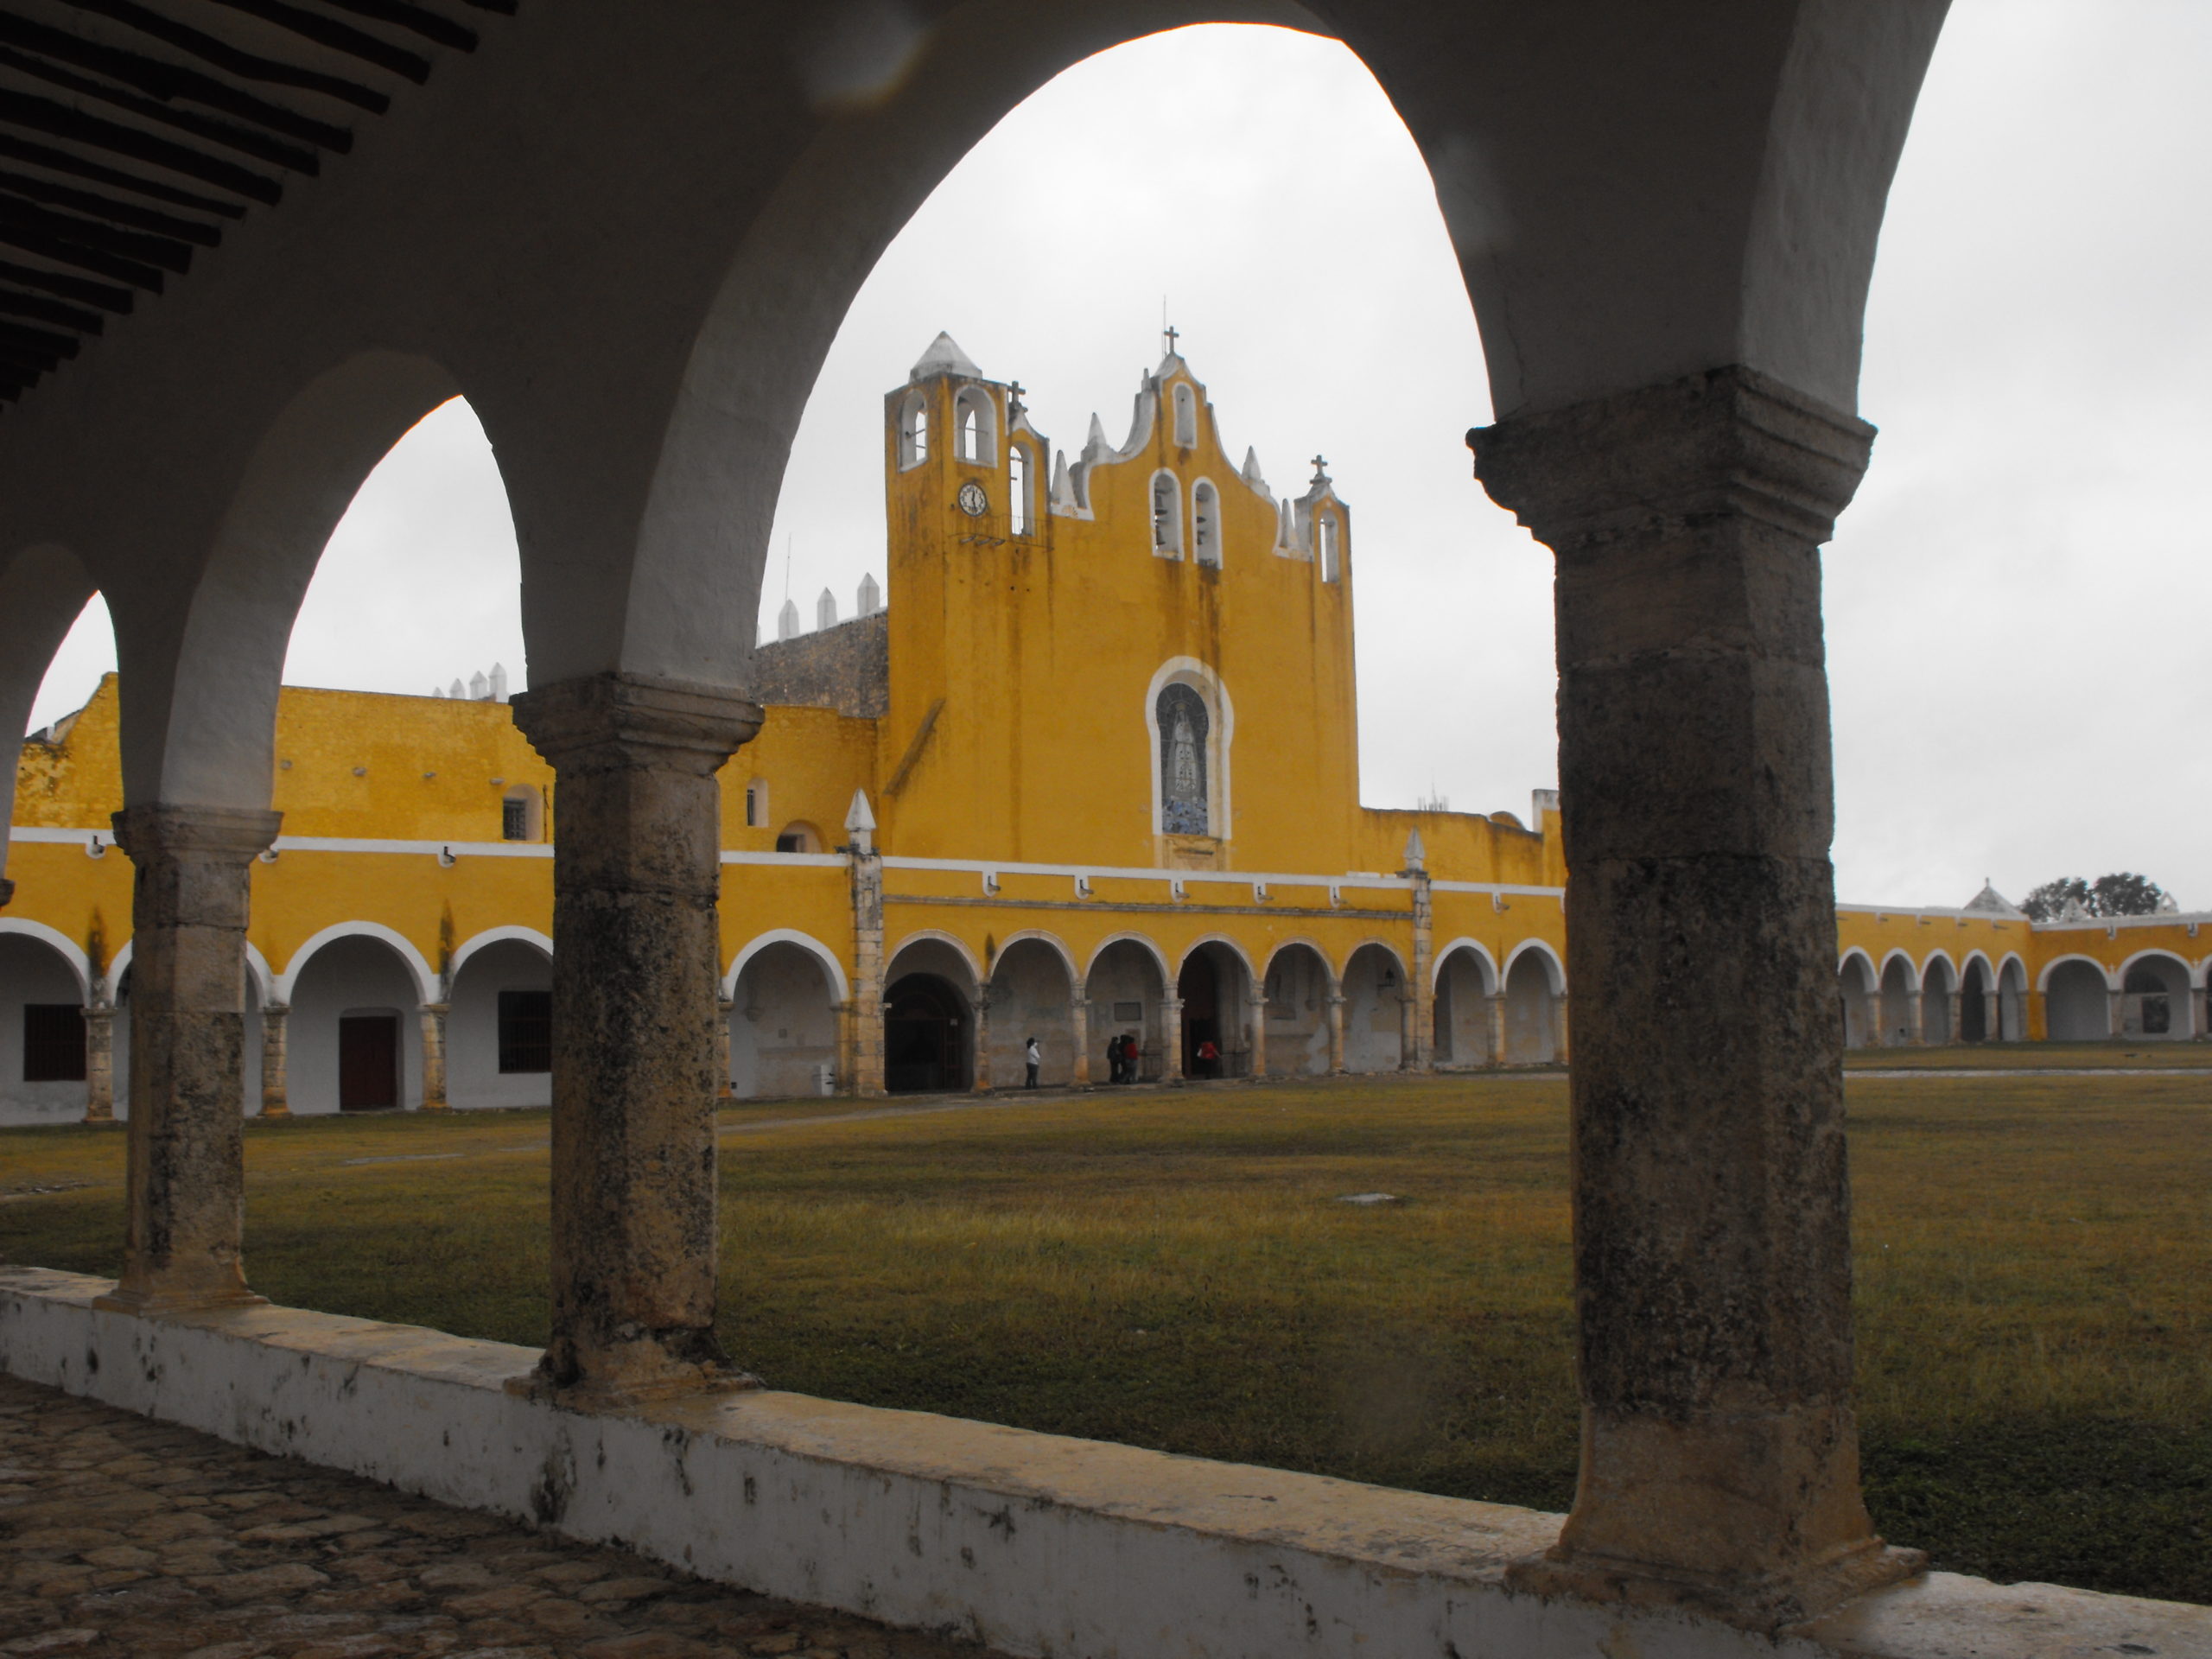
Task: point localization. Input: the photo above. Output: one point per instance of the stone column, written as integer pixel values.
(982, 1085)
(1171, 1039)
(2036, 1007)
(1494, 1006)
(724, 1006)
(1079, 1029)
(1409, 1059)
(433, 1057)
(1417, 1038)
(1336, 1033)
(1916, 1010)
(275, 1086)
(1257, 1006)
(636, 874)
(2116, 1013)
(1952, 1014)
(100, 1063)
(185, 1183)
(1993, 1018)
(2200, 1002)
(866, 1068)
(1720, 1466)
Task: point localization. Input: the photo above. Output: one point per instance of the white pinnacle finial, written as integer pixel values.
(787, 622)
(1252, 473)
(860, 823)
(1415, 852)
(943, 357)
(825, 610)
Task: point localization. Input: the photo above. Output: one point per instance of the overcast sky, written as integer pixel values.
(2012, 603)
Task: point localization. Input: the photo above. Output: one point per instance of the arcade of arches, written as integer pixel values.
(1667, 219)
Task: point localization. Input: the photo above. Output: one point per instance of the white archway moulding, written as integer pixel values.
(1222, 939)
(1844, 961)
(1168, 975)
(821, 953)
(1553, 966)
(1473, 947)
(1302, 943)
(2193, 974)
(426, 980)
(2043, 980)
(1949, 967)
(491, 936)
(975, 979)
(1220, 740)
(1911, 970)
(55, 940)
(1989, 968)
(1384, 946)
(1037, 935)
(257, 968)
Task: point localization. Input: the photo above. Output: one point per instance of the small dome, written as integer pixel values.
(943, 357)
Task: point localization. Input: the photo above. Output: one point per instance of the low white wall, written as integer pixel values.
(1033, 1543)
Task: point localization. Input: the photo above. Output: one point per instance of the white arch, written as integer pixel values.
(1205, 542)
(1159, 959)
(1873, 974)
(1057, 944)
(839, 992)
(976, 980)
(2120, 974)
(1989, 968)
(1190, 672)
(426, 982)
(1553, 967)
(1943, 957)
(1383, 945)
(491, 936)
(2013, 959)
(1301, 942)
(1912, 971)
(1463, 943)
(264, 981)
(121, 961)
(2043, 980)
(1222, 939)
(55, 940)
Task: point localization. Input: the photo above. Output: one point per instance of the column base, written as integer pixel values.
(1770, 1602)
(273, 1113)
(437, 1106)
(157, 1303)
(107, 1116)
(628, 1386)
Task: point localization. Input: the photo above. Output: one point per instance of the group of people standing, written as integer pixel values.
(1124, 1057)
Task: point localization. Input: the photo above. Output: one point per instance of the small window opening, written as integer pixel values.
(1167, 518)
(756, 803)
(1187, 416)
(525, 1031)
(914, 432)
(1017, 491)
(798, 838)
(972, 437)
(973, 427)
(519, 815)
(1205, 524)
(1330, 556)
(53, 1042)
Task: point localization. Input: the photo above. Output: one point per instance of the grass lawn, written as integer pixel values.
(1172, 1269)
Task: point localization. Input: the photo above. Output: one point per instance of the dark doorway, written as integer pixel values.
(1973, 1009)
(925, 1037)
(1199, 987)
(368, 1062)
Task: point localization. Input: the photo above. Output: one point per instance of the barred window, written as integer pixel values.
(525, 1031)
(53, 1042)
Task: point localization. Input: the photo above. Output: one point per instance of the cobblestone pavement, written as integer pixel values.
(123, 1537)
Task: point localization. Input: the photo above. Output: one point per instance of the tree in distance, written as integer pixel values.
(2070, 899)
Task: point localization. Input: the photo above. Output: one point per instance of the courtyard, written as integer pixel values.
(1182, 1269)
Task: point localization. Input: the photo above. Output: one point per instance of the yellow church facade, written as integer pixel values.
(1091, 779)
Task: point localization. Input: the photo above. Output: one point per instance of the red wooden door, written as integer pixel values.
(368, 1062)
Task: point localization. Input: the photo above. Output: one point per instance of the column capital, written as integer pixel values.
(1729, 440)
(614, 721)
(208, 835)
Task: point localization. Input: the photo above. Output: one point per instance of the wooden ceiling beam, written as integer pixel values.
(247, 65)
(339, 37)
(61, 121)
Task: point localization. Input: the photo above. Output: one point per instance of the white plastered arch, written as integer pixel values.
(1873, 974)
(2120, 974)
(1476, 948)
(2043, 980)
(1371, 943)
(1051, 941)
(1222, 939)
(1145, 943)
(1220, 740)
(426, 980)
(1302, 943)
(1554, 969)
(1949, 967)
(55, 940)
(492, 935)
(1911, 970)
(835, 970)
(1989, 968)
(959, 946)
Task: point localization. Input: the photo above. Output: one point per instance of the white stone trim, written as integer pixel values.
(2043, 979)
(1151, 947)
(1911, 969)
(1943, 957)
(1060, 947)
(1843, 961)
(1989, 968)
(959, 946)
(55, 940)
(490, 936)
(1301, 942)
(1463, 943)
(1553, 967)
(1204, 939)
(1405, 974)
(2189, 970)
(426, 981)
(1220, 740)
(802, 860)
(839, 990)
